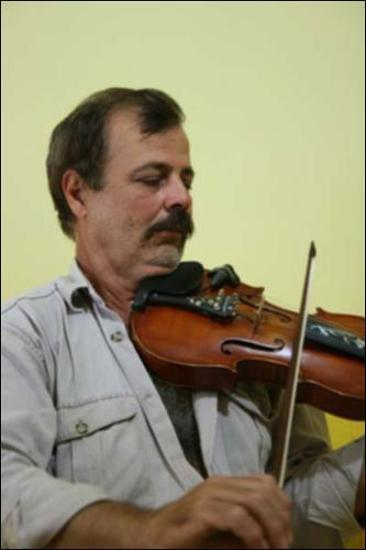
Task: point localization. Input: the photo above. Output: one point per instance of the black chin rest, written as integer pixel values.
(185, 280)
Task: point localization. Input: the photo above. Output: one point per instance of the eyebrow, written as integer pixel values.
(162, 167)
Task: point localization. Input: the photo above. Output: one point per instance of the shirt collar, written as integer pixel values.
(77, 290)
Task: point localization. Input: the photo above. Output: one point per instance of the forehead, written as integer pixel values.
(124, 140)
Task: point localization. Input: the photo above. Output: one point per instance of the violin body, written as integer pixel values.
(253, 341)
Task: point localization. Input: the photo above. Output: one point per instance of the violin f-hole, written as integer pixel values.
(277, 345)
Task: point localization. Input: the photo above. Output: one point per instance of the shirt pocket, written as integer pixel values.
(87, 436)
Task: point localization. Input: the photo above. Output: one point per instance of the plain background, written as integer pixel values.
(274, 98)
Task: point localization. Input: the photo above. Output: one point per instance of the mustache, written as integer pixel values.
(178, 220)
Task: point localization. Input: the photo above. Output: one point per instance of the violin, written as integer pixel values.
(207, 330)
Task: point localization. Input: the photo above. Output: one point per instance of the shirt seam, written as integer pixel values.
(26, 340)
(14, 304)
(95, 400)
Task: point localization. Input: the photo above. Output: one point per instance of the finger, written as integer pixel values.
(274, 521)
(236, 520)
(262, 499)
(262, 482)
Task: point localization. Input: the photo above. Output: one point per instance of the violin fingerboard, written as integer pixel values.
(334, 338)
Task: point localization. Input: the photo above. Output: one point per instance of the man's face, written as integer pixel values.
(139, 221)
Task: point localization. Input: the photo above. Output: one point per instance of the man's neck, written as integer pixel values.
(117, 291)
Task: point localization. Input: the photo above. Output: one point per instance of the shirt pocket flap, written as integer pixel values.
(79, 421)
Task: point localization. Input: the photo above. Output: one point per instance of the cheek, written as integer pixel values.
(131, 224)
(143, 211)
(125, 215)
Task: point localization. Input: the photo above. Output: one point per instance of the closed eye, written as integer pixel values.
(161, 171)
(153, 180)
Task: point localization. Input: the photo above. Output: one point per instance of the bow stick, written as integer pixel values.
(289, 397)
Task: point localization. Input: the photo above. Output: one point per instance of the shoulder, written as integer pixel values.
(32, 302)
(35, 313)
(31, 299)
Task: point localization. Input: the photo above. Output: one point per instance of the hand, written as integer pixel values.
(225, 512)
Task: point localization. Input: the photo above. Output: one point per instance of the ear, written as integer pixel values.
(73, 187)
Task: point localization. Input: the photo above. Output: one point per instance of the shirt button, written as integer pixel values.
(117, 336)
(82, 428)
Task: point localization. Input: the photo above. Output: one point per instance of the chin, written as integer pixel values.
(166, 260)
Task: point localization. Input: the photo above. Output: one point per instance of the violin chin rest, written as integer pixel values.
(186, 279)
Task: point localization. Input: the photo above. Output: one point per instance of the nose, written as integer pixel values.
(177, 194)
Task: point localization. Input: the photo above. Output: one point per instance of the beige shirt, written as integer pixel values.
(82, 421)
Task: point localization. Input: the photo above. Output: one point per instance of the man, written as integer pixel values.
(97, 452)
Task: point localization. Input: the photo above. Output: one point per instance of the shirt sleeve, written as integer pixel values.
(321, 482)
(35, 505)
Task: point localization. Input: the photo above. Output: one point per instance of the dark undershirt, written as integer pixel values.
(178, 402)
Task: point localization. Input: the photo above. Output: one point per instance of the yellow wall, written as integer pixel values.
(274, 96)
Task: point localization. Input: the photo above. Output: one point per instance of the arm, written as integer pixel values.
(35, 504)
(222, 512)
(322, 482)
(104, 525)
